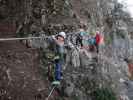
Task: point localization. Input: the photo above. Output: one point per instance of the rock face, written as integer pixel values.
(20, 77)
(23, 75)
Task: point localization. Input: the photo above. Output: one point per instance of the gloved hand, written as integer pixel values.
(70, 45)
(43, 36)
(53, 36)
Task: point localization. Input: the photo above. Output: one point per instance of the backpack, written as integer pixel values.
(92, 41)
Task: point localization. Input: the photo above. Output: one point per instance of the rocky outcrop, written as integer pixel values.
(20, 75)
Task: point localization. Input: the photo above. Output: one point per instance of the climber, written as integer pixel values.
(59, 58)
(130, 67)
(98, 38)
(81, 38)
(92, 42)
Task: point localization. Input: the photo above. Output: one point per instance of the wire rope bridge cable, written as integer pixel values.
(26, 38)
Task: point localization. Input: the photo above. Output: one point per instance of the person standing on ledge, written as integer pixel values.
(58, 41)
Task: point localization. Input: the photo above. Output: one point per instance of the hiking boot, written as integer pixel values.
(56, 58)
(56, 83)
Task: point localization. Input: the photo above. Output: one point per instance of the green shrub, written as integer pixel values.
(103, 94)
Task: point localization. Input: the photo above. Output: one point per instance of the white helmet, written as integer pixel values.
(97, 32)
(63, 34)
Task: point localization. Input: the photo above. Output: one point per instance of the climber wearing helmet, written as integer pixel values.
(81, 38)
(98, 39)
(58, 40)
(92, 42)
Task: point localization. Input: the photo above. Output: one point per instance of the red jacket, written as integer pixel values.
(98, 39)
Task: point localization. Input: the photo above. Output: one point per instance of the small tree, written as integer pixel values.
(103, 94)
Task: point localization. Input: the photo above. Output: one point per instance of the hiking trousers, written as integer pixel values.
(58, 66)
